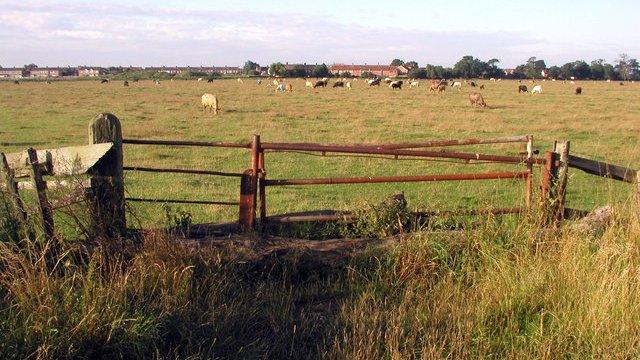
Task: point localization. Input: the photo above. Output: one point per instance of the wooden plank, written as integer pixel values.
(17, 205)
(71, 160)
(44, 208)
(600, 168)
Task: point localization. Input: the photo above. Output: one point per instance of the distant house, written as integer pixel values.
(227, 70)
(357, 70)
(44, 72)
(169, 70)
(509, 71)
(90, 71)
(12, 73)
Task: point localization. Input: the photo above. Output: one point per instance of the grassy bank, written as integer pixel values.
(503, 289)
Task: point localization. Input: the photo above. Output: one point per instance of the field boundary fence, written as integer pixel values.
(101, 163)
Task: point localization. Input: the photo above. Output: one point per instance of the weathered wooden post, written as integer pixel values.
(262, 190)
(547, 188)
(249, 187)
(107, 178)
(17, 206)
(529, 181)
(44, 208)
(562, 149)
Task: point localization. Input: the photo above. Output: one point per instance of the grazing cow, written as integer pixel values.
(157, 82)
(621, 83)
(442, 88)
(240, 81)
(104, 81)
(536, 89)
(414, 84)
(308, 84)
(126, 83)
(209, 80)
(477, 100)
(522, 89)
(259, 81)
(200, 79)
(288, 87)
(457, 84)
(279, 88)
(387, 80)
(325, 79)
(48, 81)
(395, 84)
(374, 82)
(320, 83)
(492, 79)
(16, 82)
(578, 90)
(481, 87)
(275, 82)
(135, 80)
(338, 84)
(348, 85)
(472, 84)
(210, 101)
(608, 80)
(433, 87)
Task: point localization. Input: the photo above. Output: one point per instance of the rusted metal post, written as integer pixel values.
(249, 187)
(262, 188)
(107, 178)
(17, 205)
(529, 181)
(562, 151)
(44, 208)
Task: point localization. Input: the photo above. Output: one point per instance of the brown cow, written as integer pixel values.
(442, 88)
(288, 87)
(477, 100)
(578, 90)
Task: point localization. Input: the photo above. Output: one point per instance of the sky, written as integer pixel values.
(206, 33)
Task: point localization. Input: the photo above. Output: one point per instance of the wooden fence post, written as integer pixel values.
(562, 149)
(529, 181)
(262, 191)
(17, 205)
(249, 187)
(548, 188)
(44, 208)
(107, 178)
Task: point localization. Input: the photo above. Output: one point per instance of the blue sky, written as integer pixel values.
(229, 32)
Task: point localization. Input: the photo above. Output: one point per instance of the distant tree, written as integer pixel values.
(411, 65)
(30, 67)
(297, 71)
(534, 67)
(250, 68)
(464, 67)
(397, 62)
(554, 72)
(367, 75)
(581, 69)
(493, 69)
(277, 69)
(320, 71)
(597, 69)
(566, 71)
(346, 74)
(610, 72)
(622, 66)
(418, 73)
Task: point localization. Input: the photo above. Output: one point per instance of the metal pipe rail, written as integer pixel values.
(186, 143)
(176, 201)
(384, 179)
(401, 152)
(180, 171)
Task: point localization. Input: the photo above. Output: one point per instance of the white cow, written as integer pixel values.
(536, 89)
(414, 84)
(457, 84)
(199, 79)
(240, 81)
(348, 85)
(280, 88)
(308, 84)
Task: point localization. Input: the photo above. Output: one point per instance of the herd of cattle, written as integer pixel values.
(210, 101)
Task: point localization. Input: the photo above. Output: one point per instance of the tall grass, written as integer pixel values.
(501, 289)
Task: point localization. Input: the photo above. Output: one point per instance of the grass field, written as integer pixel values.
(601, 124)
(497, 290)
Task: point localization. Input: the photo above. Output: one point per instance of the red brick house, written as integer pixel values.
(12, 73)
(45, 72)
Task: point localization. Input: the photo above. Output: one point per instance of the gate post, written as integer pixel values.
(249, 187)
(107, 178)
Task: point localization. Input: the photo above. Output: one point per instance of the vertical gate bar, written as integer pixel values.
(44, 208)
(562, 150)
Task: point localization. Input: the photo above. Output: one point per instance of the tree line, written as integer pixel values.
(623, 68)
